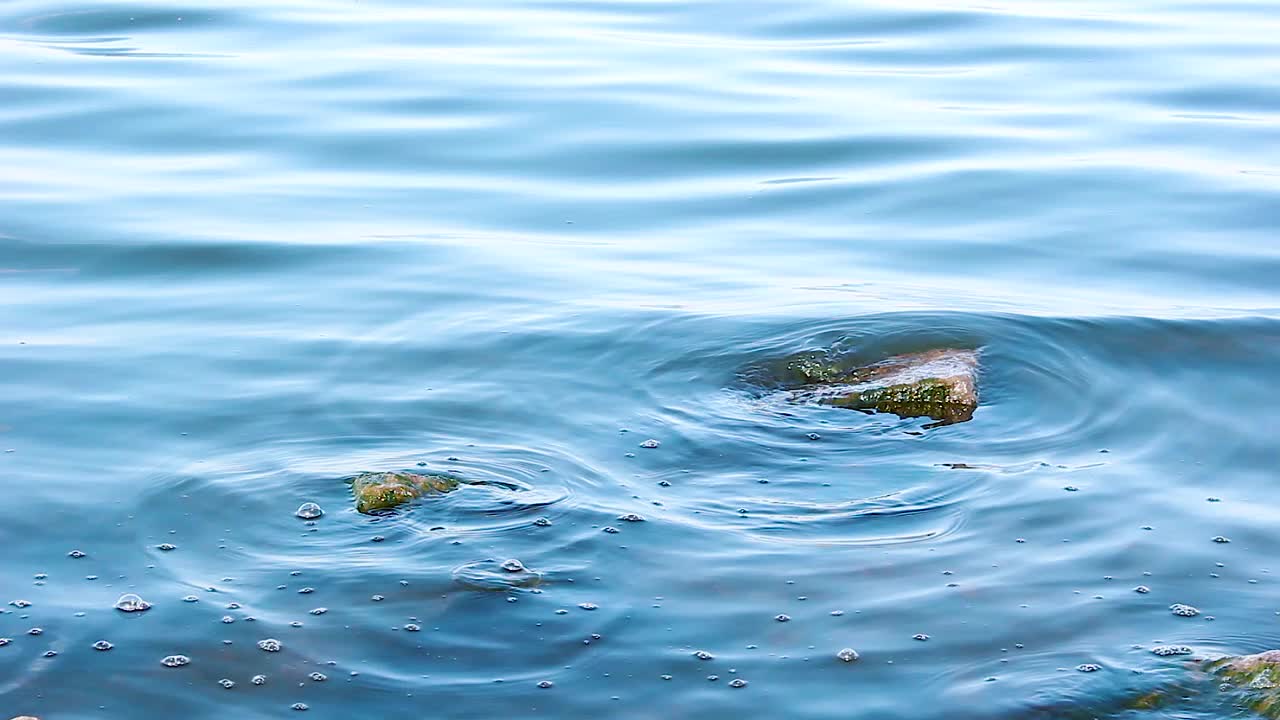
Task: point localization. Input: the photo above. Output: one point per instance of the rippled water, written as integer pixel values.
(249, 250)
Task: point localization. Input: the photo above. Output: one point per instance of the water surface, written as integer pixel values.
(249, 250)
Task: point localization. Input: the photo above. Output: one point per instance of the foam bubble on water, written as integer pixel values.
(102, 646)
(5, 641)
(77, 554)
(309, 511)
(1183, 610)
(1168, 650)
(173, 661)
(318, 677)
(300, 707)
(546, 684)
(1221, 539)
(411, 627)
(259, 680)
(782, 618)
(270, 645)
(1142, 589)
(542, 522)
(512, 565)
(847, 655)
(703, 655)
(166, 547)
(1088, 668)
(920, 636)
(650, 444)
(737, 683)
(631, 517)
(226, 683)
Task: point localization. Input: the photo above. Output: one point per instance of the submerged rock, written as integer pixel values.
(376, 491)
(1256, 679)
(1242, 681)
(937, 384)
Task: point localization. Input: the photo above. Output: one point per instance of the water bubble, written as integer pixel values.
(76, 554)
(174, 661)
(1221, 539)
(650, 444)
(102, 646)
(319, 611)
(35, 631)
(920, 636)
(270, 645)
(1088, 668)
(588, 606)
(1214, 499)
(259, 680)
(703, 655)
(837, 613)
(847, 655)
(300, 707)
(309, 511)
(377, 598)
(318, 677)
(1183, 610)
(227, 619)
(5, 641)
(410, 627)
(737, 683)
(545, 684)
(166, 547)
(665, 677)
(814, 436)
(21, 604)
(782, 618)
(295, 624)
(512, 565)
(228, 684)
(1071, 488)
(191, 599)
(306, 591)
(611, 530)
(713, 678)
(1142, 589)
(542, 522)
(1167, 650)
(50, 653)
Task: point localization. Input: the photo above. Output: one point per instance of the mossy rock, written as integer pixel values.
(377, 491)
(1255, 679)
(937, 384)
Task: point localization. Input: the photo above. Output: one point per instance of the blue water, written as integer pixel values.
(248, 250)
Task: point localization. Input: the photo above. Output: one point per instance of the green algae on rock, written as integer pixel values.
(937, 384)
(1255, 678)
(376, 491)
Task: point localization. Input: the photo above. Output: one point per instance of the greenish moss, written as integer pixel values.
(376, 491)
(1255, 678)
(930, 398)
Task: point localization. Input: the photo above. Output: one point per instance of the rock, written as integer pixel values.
(376, 491)
(937, 384)
(1255, 678)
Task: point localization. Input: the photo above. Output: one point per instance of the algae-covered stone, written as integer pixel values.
(1255, 677)
(376, 491)
(938, 384)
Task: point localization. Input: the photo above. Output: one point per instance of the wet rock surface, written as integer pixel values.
(938, 384)
(379, 491)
